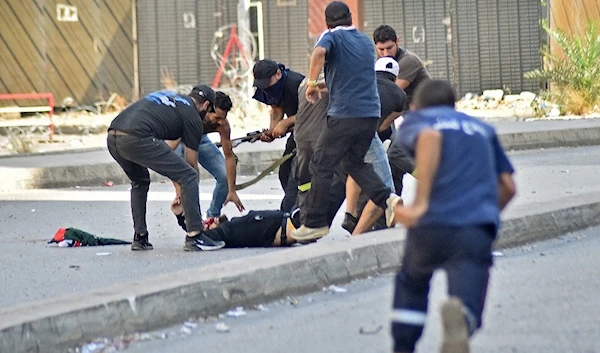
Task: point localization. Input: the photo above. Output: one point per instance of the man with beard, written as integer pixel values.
(412, 69)
(220, 166)
(135, 141)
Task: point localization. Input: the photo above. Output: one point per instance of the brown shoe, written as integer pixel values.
(454, 323)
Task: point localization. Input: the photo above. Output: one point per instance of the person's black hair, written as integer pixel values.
(222, 101)
(384, 33)
(343, 22)
(337, 13)
(432, 93)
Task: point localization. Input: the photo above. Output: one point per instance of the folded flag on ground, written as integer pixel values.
(72, 237)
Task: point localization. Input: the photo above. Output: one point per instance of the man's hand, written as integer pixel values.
(176, 206)
(280, 129)
(266, 136)
(408, 216)
(233, 197)
(313, 94)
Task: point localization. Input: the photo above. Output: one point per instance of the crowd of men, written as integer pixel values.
(336, 119)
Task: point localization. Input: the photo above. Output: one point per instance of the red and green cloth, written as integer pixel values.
(73, 237)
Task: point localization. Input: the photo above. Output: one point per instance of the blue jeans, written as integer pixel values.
(377, 157)
(213, 161)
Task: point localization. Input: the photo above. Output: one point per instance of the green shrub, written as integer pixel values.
(573, 72)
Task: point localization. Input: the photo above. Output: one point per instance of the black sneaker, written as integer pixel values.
(140, 242)
(349, 222)
(201, 242)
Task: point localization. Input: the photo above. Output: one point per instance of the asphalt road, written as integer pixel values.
(542, 299)
(32, 270)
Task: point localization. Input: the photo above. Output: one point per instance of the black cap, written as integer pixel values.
(203, 92)
(337, 11)
(263, 70)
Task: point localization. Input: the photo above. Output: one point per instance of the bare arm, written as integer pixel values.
(173, 143)
(230, 164)
(506, 189)
(191, 156)
(317, 62)
(402, 83)
(276, 116)
(427, 153)
(284, 126)
(389, 120)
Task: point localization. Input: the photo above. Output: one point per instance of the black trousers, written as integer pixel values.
(343, 141)
(465, 253)
(288, 183)
(400, 163)
(138, 154)
(302, 177)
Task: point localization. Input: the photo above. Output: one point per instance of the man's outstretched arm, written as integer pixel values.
(230, 165)
(427, 159)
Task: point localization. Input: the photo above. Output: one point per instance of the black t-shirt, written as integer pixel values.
(164, 115)
(392, 99)
(256, 229)
(289, 103)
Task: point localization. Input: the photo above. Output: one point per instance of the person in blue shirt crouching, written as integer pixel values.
(464, 182)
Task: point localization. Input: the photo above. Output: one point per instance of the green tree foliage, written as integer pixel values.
(573, 72)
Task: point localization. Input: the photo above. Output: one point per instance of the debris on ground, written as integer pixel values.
(239, 311)
(335, 289)
(105, 345)
(221, 327)
(497, 254)
(374, 331)
(109, 183)
(293, 301)
(261, 307)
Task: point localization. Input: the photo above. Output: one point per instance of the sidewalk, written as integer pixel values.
(94, 166)
(552, 200)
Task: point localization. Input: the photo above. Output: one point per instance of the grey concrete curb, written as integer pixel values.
(252, 163)
(59, 323)
(551, 139)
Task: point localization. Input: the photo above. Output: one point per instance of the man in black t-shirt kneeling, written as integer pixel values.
(135, 141)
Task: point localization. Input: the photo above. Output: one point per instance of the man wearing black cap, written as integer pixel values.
(277, 86)
(135, 141)
(352, 118)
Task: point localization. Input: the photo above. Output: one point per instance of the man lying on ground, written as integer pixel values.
(257, 229)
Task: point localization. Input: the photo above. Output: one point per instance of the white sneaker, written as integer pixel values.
(305, 234)
(454, 323)
(391, 203)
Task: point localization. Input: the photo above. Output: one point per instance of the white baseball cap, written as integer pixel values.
(387, 64)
